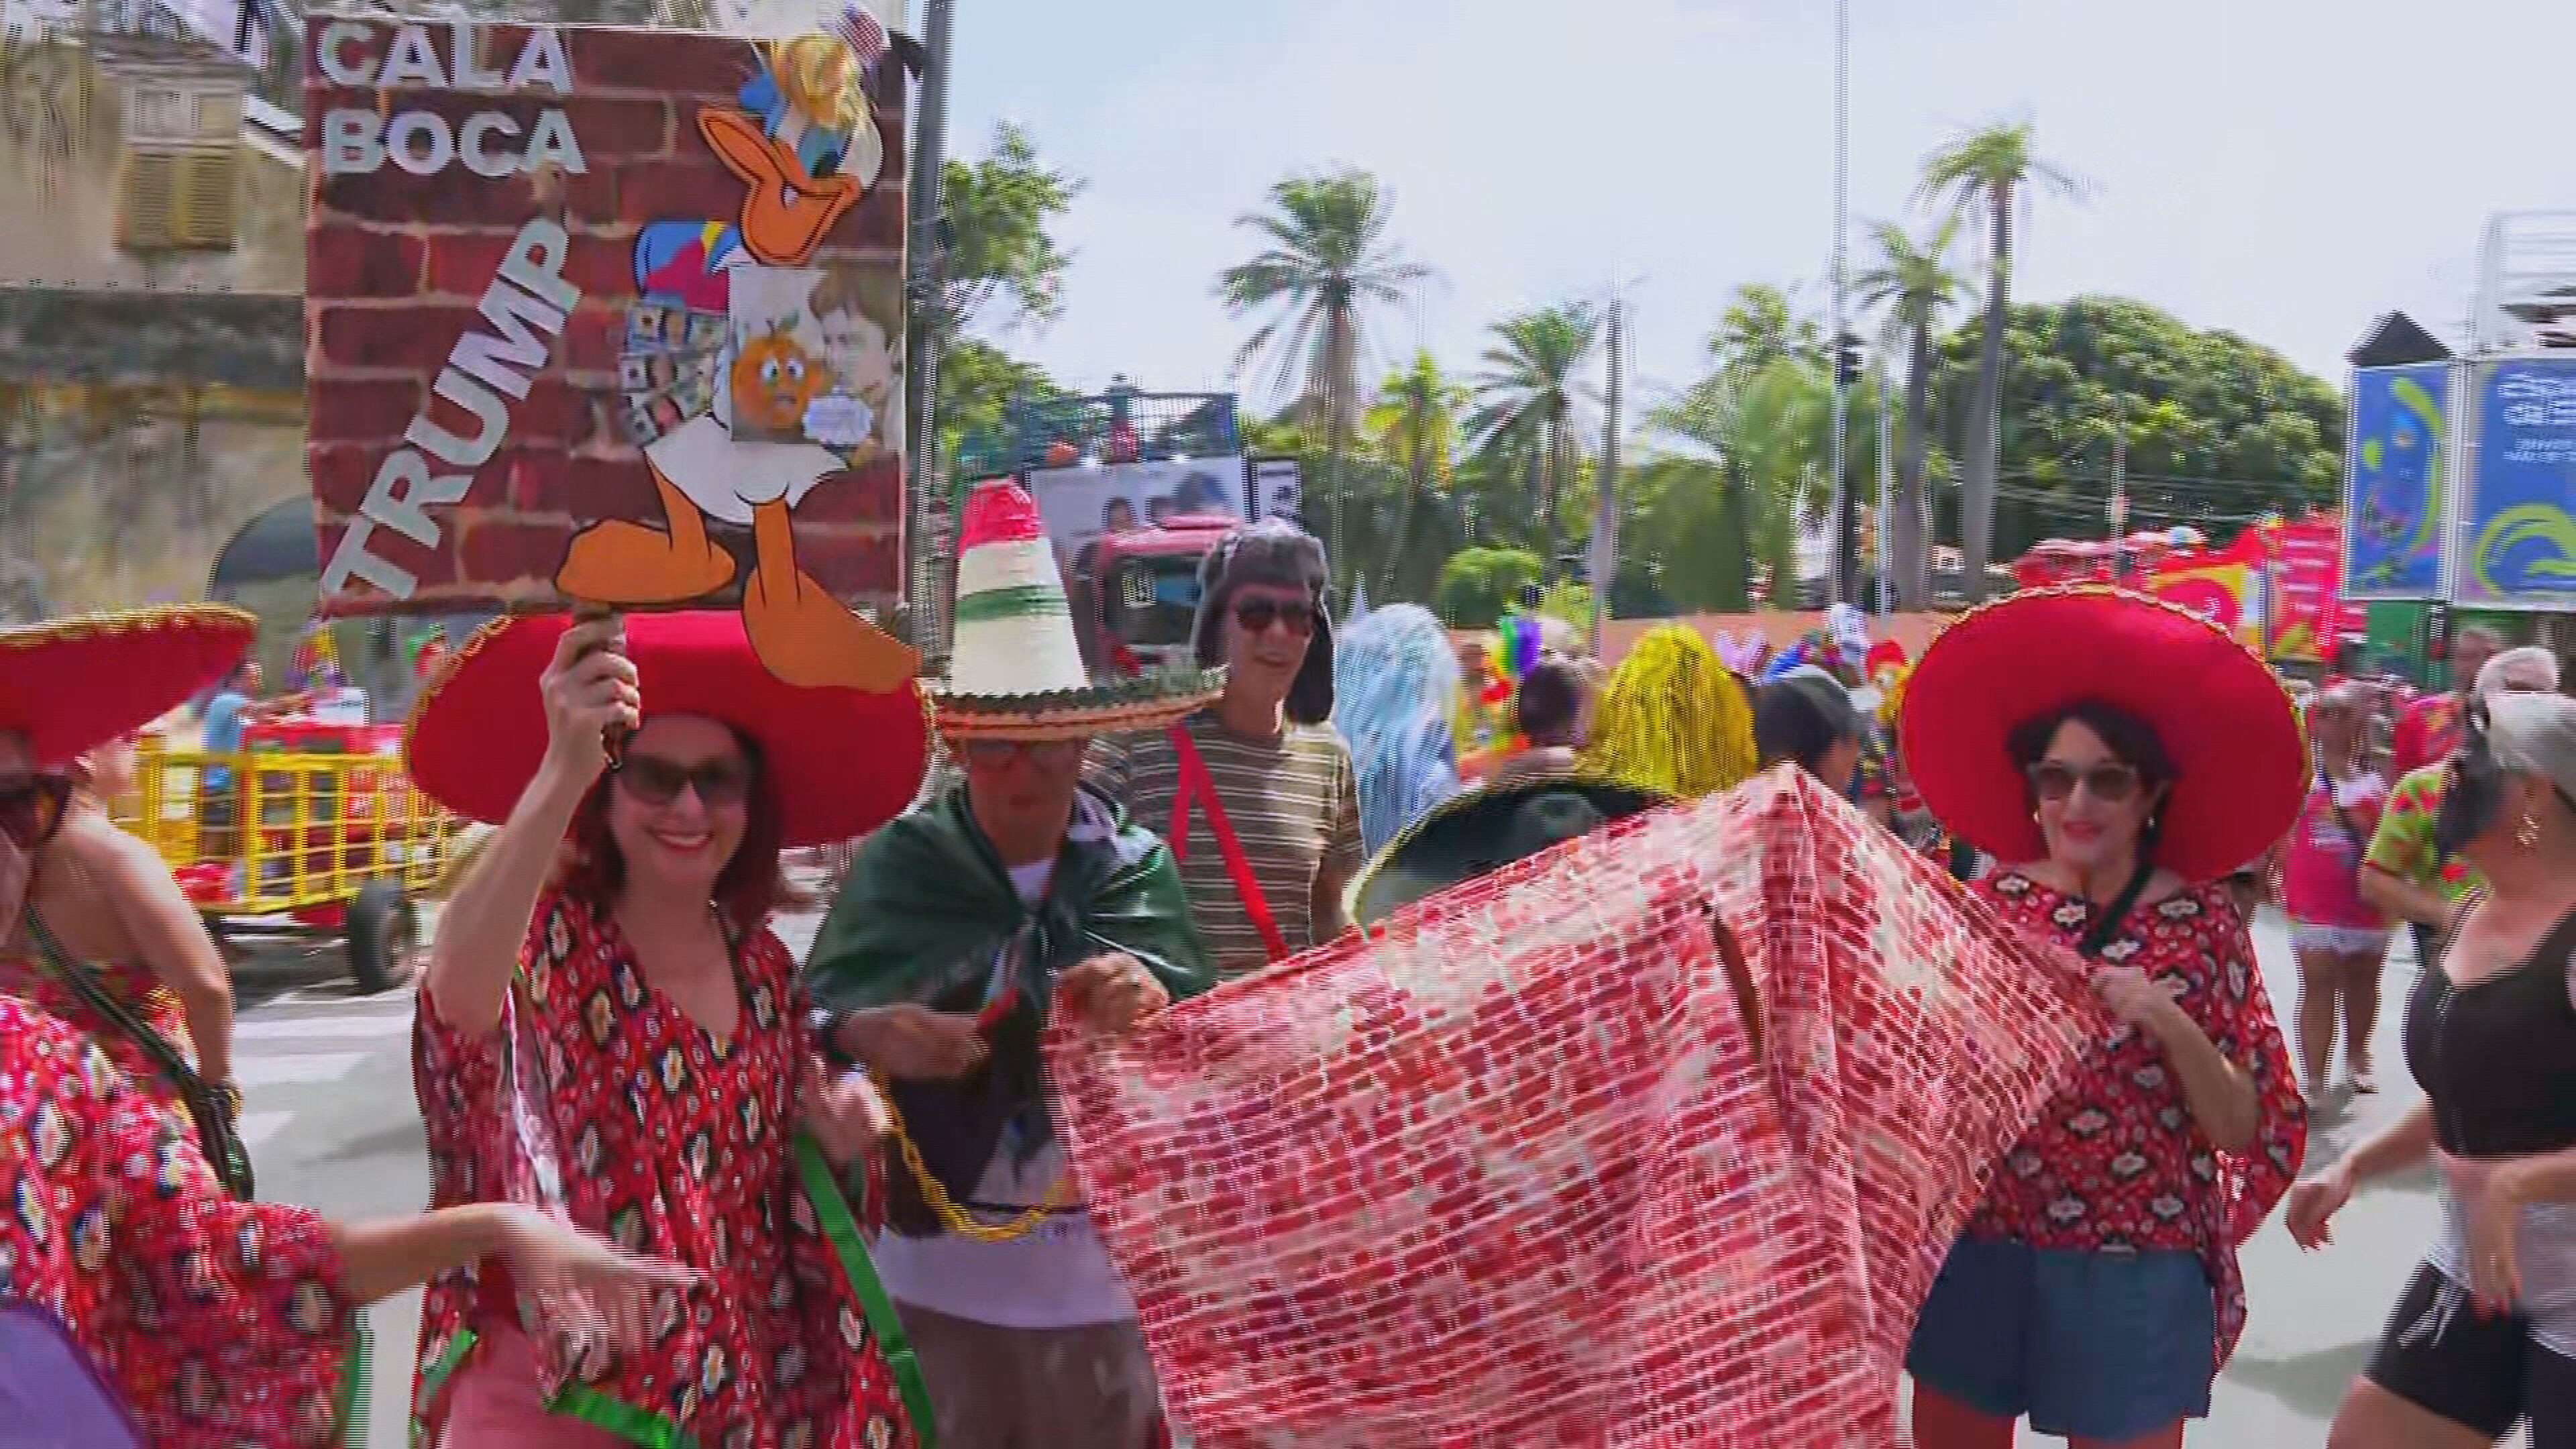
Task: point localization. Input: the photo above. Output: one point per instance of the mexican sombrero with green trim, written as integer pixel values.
(1015, 668)
(1484, 830)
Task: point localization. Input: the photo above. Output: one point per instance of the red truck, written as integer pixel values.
(1136, 594)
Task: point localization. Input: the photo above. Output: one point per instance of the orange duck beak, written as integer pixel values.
(785, 212)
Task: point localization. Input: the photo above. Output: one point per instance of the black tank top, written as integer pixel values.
(2497, 1057)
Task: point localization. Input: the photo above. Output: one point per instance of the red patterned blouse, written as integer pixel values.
(219, 1323)
(598, 1098)
(2115, 1160)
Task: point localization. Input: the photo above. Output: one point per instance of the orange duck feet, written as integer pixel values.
(808, 638)
(617, 562)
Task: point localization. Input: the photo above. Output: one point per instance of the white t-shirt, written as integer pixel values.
(1058, 1276)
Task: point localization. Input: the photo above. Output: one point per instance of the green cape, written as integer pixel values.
(927, 908)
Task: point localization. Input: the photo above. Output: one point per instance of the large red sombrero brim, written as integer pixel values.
(74, 684)
(2220, 712)
(841, 762)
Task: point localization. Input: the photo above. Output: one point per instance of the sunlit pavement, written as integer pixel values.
(353, 1149)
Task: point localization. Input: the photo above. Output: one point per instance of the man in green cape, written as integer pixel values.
(960, 923)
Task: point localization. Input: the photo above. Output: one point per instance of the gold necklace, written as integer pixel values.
(954, 1218)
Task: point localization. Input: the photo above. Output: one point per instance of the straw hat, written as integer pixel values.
(2241, 763)
(70, 685)
(841, 761)
(1015, 668)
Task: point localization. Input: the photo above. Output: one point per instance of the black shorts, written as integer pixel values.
(2483, 1374)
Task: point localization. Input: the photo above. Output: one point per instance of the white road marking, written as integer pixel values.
(322, 1028)
(258, 1127)
(302, 1068)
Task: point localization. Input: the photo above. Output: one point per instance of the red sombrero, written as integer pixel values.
(2219, 711)
(841, 761)
(73, 684)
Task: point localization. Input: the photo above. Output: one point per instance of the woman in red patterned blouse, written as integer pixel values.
(2096, 1290)
(610, 1030)
(141, 1304)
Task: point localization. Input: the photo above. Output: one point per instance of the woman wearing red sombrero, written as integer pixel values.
(103, 938)
(2117, 756)
(610, 1029)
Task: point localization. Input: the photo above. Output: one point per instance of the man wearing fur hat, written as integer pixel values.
(1256, 795)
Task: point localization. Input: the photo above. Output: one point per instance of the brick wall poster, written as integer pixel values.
(610, 316)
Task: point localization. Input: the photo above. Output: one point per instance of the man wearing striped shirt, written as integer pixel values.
(1257, 790)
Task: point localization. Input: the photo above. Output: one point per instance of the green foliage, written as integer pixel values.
(999, 210)
(1565, 599)
(2220, 430)
(1479, 585)
(1534, 405)
(1326, 260)
(977, 383)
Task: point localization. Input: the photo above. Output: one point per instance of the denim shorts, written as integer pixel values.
(2088, 1345)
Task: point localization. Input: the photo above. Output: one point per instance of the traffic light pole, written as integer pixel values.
(1842, 516)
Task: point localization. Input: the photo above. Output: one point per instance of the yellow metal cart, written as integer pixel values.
(308, 833)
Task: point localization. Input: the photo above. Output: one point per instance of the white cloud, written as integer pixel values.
(2284, 168)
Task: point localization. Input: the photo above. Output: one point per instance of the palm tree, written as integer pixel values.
(1762, 326)
(1748, 469)
(1916, 287)
(1531, 405)
(1415, 422)
(1985, 170)
(1326, 259)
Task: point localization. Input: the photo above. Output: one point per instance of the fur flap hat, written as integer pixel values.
(1274, 552)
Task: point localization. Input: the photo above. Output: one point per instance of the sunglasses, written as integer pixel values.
(2109, 783)
(32, 809)
(1003, 752)
(1257, 615)
(657, 782)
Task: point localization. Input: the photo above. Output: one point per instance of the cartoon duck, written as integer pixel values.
(804, 144)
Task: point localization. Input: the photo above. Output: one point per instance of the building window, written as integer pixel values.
(157, 113)
(218, 116)
(181, 199)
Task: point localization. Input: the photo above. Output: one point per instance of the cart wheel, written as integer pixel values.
(383, 928)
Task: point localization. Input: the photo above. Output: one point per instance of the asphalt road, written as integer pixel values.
(330, 1115)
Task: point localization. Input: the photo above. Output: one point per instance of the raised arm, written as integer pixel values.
(590, 688)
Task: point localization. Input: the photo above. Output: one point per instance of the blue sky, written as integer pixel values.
(2250, 167)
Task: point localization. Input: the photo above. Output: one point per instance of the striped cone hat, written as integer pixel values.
(1015, 667)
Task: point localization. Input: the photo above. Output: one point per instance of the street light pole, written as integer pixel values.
(1605, 511)
(925, 501)
(1839, 523)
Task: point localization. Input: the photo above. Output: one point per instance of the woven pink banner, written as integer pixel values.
(1657, 1139)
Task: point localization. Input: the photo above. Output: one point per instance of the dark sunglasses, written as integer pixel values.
(32, 809)
(1003, 752)
(1257, 615)
(2110, 783)
(658, 782)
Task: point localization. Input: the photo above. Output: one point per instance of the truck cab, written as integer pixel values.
(1136, 595)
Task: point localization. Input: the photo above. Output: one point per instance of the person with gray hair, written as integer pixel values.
(2405, 872)
(2491, 1035)
(2429, 729)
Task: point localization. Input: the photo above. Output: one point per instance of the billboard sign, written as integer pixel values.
(2396, 482)
(2518, 517)
(604, 315)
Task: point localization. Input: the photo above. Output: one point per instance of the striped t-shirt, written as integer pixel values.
(1292, 800)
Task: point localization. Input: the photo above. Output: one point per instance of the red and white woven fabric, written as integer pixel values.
(1529, 1165)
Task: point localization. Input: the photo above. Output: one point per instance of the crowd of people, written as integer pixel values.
(687, 1189)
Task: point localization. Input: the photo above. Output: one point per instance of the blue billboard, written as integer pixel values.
(2518, 525)
(2397, 477)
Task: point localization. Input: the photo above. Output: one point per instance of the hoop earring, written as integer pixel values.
(2527, 834)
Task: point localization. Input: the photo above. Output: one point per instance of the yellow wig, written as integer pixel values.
(1673, 719)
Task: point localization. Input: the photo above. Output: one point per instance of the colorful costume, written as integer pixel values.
(597, 1099)
(211, 1323)
(1393, 671)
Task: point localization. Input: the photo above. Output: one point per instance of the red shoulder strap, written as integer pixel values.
(1198, 789)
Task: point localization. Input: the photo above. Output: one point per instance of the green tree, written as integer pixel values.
(2220, 429)
(1985, 171)
(1762, 326)
(1326, 260)
(1534, 404)
(1479, 585)
(1415, 426)
(1915, 287)
(1004, 273)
